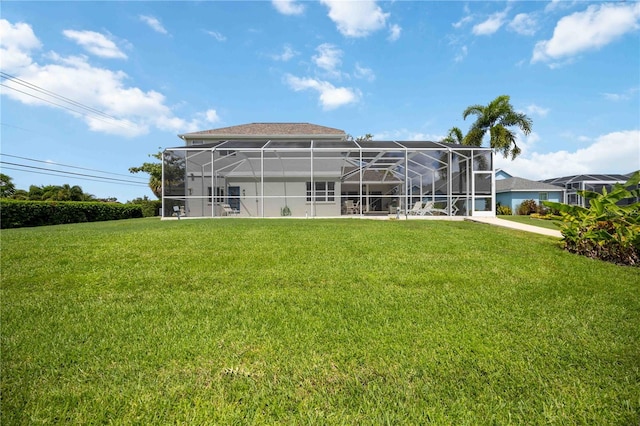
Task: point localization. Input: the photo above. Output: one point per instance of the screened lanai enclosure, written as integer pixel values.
(308, 178)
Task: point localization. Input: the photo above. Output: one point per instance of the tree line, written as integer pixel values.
(64, 192)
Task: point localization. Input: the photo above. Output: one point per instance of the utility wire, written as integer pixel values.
(71, 167)
(37, 88)
(70, 177)
(88, 111)
(73, 173)
(63, 106)
(15, 127)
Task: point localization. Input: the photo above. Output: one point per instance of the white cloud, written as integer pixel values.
(624, 96)
(16, 42)
(123, 110)
(463, 21)
(597, 26)
(212, 116)
(462, 54)
(20, 36)
(288, 7)
(331, 97)
(95, 43)
(364, 73)
(524, 24)
(537, 110)
(356, 18)
(406, 135)
(329, 58)
(394, 32)
(598, 157)
(555, 5)
(491, 25)
(218, 36)
(154, 23)
(287, 54)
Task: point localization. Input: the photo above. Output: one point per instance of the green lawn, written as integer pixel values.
(528, 220)
(238, 321)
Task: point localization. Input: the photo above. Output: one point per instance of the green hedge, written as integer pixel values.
(19, 213)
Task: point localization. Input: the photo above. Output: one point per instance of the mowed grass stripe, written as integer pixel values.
(313, 322)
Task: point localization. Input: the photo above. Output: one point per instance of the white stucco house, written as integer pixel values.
(308, 170)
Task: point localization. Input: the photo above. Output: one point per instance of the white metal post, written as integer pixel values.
(313, 186)
(162, 185)
(262, 181)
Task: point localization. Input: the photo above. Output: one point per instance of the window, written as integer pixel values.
(219, 195)
(324, 191)
(197, 142)
(227, 153)
(543, 196)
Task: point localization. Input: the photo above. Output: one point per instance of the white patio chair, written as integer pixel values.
(415, 210)
(349, 207)
(228, 211)
(429, 209)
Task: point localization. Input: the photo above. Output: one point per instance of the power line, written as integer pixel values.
(88, 110)
(63, 172)
(71, 167)
(15, 127)
(37, 88)
(62, 106)
(70, 177)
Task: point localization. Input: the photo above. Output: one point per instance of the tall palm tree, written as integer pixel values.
(497, 117)
(454, 136)
(67, 192)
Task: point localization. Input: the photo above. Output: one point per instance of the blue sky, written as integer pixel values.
(399, 70)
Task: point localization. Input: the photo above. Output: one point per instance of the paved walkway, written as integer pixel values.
(515, 225)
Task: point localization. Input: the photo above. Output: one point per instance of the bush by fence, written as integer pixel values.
(503, 210)
(18, 213)
(606, 230)
(150, 208)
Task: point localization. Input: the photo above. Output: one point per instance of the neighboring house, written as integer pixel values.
(512, 191)
(501, 174)
(593, 183)
(307, 170)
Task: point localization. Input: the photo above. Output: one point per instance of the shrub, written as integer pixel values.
(504, 210)
(527, 207)
(150, 208)
(605, 230)
(19, 213)
(547, 216)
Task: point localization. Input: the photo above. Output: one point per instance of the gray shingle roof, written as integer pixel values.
(521, 184)
(269, 129)
(566, 180)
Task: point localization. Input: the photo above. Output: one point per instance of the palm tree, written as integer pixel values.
(7, 188)
(454, 136)
(67, 192)
(497, 118)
